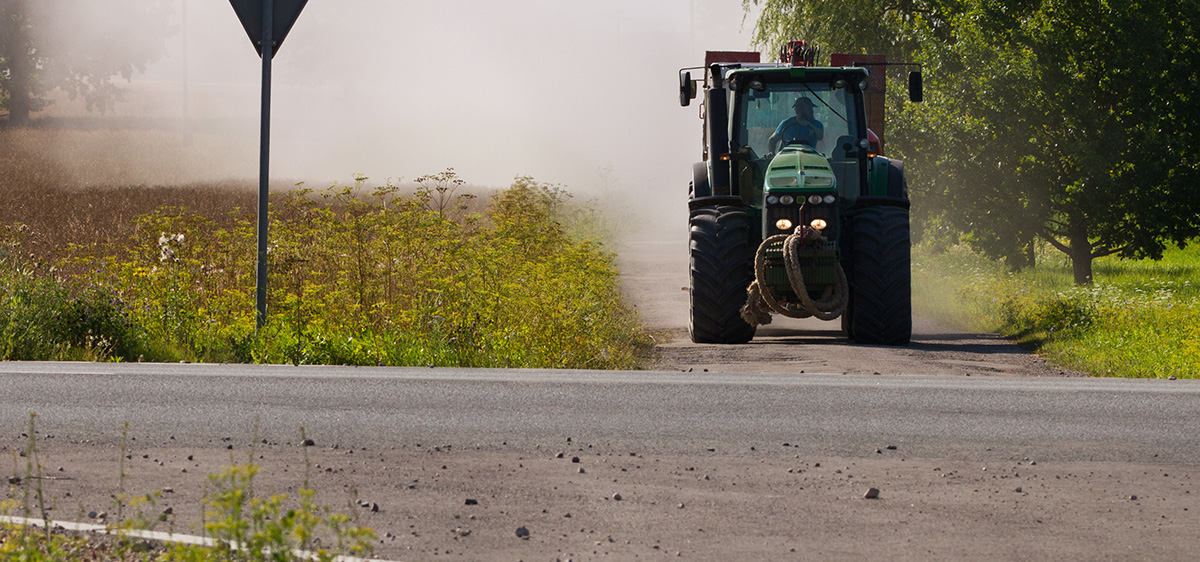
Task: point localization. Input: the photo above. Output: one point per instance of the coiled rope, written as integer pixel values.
(761, 299)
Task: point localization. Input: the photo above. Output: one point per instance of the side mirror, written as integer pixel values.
(916, 92)
(687, 89)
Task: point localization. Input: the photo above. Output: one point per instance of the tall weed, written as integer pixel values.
(370, 276)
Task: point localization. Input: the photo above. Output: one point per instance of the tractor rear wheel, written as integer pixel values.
(720, 273)
(881, 289)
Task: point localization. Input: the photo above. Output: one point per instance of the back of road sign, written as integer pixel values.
(250, 12)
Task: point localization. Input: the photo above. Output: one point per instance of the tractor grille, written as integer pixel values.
(776, 212)
(829, 213)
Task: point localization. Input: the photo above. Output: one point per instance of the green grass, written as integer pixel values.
(1140, 318)
(357, 276)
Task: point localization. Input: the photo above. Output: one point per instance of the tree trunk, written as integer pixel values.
(1023, 258)
(1081, 250)
(18, 102)
(15, 51)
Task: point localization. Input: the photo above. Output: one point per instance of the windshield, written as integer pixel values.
(814, 114)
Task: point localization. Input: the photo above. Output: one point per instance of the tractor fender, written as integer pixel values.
(886, 178)
(882, 201)
(897, 184)
(700, 186)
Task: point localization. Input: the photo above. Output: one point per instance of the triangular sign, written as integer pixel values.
(284, 15)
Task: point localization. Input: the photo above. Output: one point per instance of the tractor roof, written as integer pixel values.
(780, 69)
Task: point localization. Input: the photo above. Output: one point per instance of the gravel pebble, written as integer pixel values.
(872, 493)
(522, 532)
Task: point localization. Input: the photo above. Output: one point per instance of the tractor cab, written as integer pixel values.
(795, 138)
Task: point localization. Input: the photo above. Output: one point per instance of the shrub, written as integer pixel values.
(1139, 319)
(47, 317)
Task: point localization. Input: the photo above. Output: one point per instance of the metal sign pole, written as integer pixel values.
(264, 158)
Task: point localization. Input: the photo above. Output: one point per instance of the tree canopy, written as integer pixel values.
(78, 47)
(1069, 121)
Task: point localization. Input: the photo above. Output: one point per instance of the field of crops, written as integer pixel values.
(365, 274)
(1141, 318)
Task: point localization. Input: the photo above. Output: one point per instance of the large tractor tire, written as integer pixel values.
(881, 287)
(847, 263)
(720, 271)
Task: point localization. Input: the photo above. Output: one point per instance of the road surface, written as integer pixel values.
(967, 467)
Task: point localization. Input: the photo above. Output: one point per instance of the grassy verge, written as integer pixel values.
(358, 276)
(1140, 318)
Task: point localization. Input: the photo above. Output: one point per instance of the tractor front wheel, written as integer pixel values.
(720, 272)
(881, 286)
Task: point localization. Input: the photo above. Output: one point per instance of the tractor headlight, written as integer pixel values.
(819, 224)
(787, 199)
(772, 199)
(783, 224)
(814, 199)
(829, 199)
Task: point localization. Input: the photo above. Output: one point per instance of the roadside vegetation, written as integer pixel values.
(359, 275)
(239, 524)
(1139, 318)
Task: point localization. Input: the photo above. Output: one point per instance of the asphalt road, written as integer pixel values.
(655, 412)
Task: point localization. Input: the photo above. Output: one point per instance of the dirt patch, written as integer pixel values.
(654, 269)
(767, 502)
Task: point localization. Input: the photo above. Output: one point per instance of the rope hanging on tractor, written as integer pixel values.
(762, 300)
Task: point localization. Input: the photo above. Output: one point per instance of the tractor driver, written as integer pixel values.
(801, 128)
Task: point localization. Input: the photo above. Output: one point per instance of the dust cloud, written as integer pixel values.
(569, 92)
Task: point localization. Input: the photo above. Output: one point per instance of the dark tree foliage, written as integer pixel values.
(1069, 121)
(76, 46)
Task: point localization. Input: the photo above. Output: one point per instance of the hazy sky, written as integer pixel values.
(559, 90)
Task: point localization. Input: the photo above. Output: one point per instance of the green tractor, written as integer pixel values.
(794, 210)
